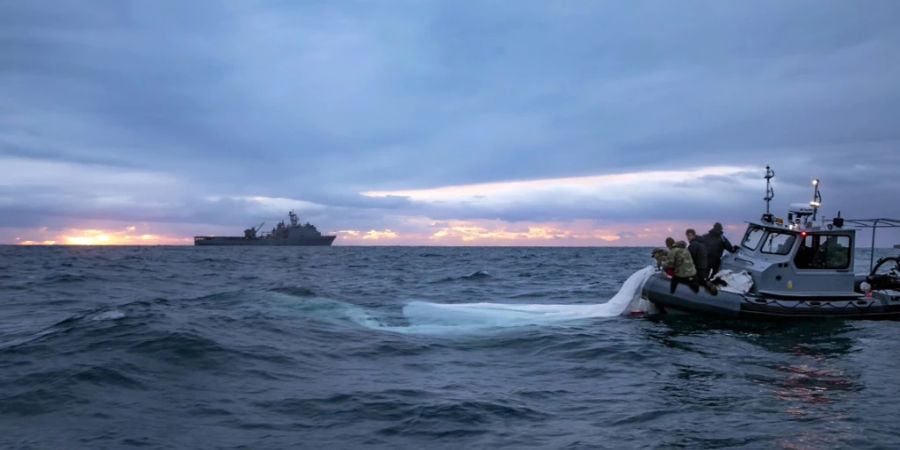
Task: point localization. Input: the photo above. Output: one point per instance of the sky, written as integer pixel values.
(441, 122)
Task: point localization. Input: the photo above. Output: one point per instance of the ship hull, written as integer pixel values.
(319, 241)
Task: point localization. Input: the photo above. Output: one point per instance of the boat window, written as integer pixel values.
(752, 238)
(778, 243)
(823, 251)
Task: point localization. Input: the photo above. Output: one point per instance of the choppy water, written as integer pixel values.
(350, 347)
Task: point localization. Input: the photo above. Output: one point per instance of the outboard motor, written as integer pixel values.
(881, 281)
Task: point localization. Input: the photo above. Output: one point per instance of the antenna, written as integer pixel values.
(817, 199)
(770, 193)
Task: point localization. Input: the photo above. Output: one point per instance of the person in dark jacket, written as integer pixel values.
(698, 253)
(716, 243)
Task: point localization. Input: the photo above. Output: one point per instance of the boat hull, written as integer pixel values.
(751, 306)
(240, 241)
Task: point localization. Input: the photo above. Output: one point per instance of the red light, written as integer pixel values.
(802, 234)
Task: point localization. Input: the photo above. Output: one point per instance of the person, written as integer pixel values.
(683, 270)
(836, 255)
(660, 256)
(698, 254)
(668, 269)
(716, 243)
(670, 243)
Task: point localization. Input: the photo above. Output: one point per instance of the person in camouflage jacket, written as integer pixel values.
(679, 259)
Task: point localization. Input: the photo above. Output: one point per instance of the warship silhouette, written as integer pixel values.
(281, 234)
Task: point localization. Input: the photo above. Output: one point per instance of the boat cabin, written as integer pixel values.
(792, 261)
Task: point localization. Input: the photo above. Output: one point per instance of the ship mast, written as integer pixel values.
(770, 194)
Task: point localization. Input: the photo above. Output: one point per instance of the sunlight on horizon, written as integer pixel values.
(100, 237)
(419, 231)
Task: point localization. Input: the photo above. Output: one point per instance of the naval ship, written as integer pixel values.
(281, 234)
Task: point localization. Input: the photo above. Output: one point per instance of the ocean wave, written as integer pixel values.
(45, 391)
(36, 402)
(479, 275)
(411, 411)
(108, 315)
(106, 376)
(296, 291)
(454, 419)
(97, 321)
(62, 278)
(182, 348)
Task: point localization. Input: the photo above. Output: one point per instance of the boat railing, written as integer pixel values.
(874, 225)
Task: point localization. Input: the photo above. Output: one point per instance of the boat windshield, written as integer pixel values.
(778, 243)
(752, 237)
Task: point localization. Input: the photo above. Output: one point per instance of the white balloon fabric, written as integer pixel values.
(425, 316)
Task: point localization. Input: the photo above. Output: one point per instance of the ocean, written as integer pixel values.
(362, 347)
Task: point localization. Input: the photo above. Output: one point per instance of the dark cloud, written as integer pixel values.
(318, 101)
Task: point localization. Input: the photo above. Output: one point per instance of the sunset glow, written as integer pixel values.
(91, 236)
(356, 236)
(416, 231)
(501, 233)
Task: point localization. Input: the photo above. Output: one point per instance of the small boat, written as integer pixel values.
(794, 268)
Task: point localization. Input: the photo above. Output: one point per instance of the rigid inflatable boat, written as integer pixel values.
(794, 268)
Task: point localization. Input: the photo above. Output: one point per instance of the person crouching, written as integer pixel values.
(660, 255)
(683, 270)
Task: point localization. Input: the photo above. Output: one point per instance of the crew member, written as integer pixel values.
(716, 243)
(698, 254)
(679, 260)
(660, 255)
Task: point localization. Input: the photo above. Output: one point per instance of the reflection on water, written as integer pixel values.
(809, 385)
(811, 441)
(801, 373)
(812, 386)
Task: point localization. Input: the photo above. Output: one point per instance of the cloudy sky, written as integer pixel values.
(440, 123)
